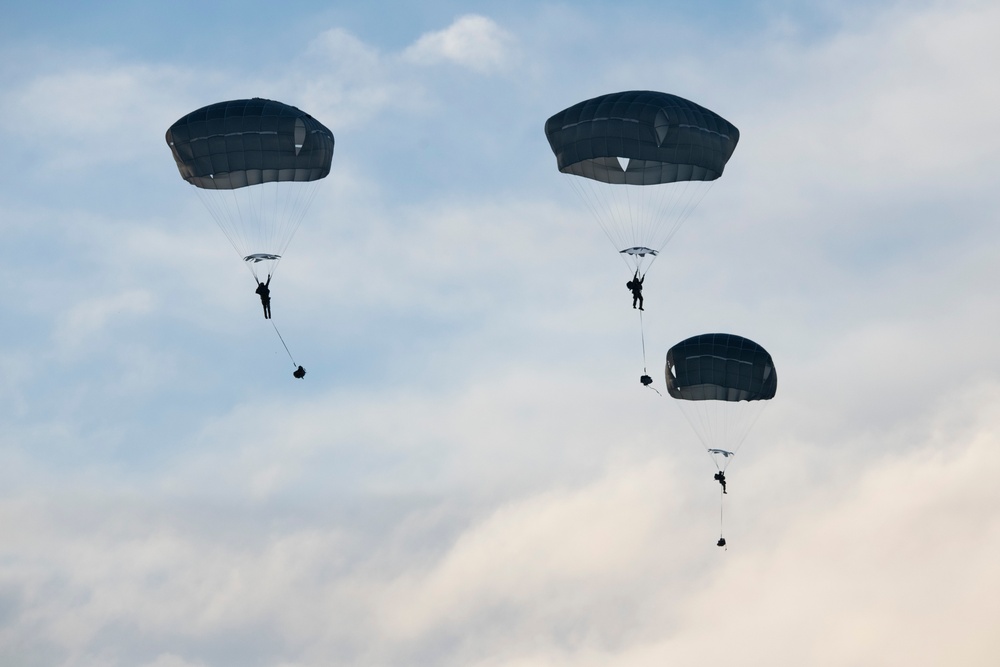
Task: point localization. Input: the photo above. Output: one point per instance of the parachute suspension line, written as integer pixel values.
(283, 342)
(599, 208)
(262, 218)
(640, 215)
(610, 213)
(698, 427)
(227, 217)
(253, 216)
(630, 264)
(721, 426)
(753, 420)
(666, 201)
(701, 423)
(235, 217)
(281, 208)
(683, 200)
(221, 215)
(298, 208)
(272, 239)
(633, 220)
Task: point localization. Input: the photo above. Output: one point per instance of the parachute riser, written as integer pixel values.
(261, 271)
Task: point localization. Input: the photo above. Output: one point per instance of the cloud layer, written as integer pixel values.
(471, 474)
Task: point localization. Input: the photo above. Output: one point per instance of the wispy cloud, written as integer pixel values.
(89, 116)
(93, 315)
(472, 41)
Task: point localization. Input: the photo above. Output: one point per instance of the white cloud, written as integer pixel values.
(80, 116)
(897, 101)
(869, 579)
(471, 41)
(552, 559)
(93, 315)
(502, 494)
(359, 82)
(620, 568)
(171, 660)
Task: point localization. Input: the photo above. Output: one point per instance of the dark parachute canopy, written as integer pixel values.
(234, 144)
(255, 163)
(722, 382)
(720, 367)
(665, 139)
(641, 138)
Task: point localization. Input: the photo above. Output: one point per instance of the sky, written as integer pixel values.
(471, 474)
